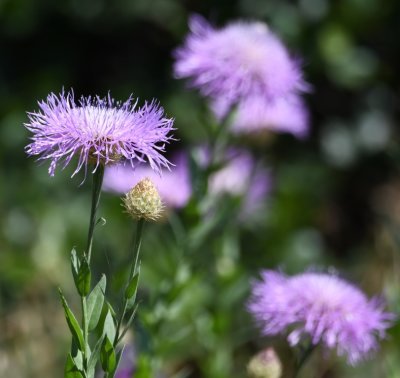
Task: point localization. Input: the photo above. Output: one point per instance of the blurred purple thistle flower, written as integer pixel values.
(98, 131)
(235, 62)
(324, 307)
(174, 186)
(240, 176)
(256, 114)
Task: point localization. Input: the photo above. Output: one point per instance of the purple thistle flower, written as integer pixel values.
(255, 114)
(240, 176)
(241, 60)
(98, 131)
(174, 186)
(323, 307)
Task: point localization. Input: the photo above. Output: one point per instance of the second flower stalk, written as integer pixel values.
(143, 203)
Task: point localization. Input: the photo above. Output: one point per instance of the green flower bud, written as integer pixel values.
(143, 201)
(265, 364)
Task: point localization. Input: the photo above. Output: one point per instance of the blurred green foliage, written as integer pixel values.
(335, 201)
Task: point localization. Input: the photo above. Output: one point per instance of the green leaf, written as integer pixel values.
(75, 265)
(107, 356)
(109, 326)
(72, 323)
(94, 356)
(77, 355)
(81, 273)
(84, 278)
(130, 320)
(113, 313)
(71, 370)
(131, 289)
(118, 360)
(95, 303)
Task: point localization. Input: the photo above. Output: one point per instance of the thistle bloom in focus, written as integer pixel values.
(257, 115)
(321, 307)
(143, 201)
(174, 186)
(98, 131)
(241, 60)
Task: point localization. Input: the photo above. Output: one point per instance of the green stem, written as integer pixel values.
(136, 247)
(303, 359)
(96, 192)
(219, 140)
(135, 258)
(85, 331)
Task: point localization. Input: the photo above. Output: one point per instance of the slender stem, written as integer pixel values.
(135, 258)
(303, 359)
(96, 192)
(136, 247)
(219, 140)
(85, 331)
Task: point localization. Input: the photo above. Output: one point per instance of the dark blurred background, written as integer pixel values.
(336, 196)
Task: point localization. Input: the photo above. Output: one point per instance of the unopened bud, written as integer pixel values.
(265, 364)
(143, 201)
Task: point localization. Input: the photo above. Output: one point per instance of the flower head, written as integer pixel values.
(323, 307)
(99, 131)
(255, 114)
(265, 364)
(240, 176)
(174, 186)
(143, 201)
(240, 60)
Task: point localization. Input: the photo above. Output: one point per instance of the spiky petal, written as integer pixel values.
(257, 115)
(239, 60)
(322, 307)
(99, 131)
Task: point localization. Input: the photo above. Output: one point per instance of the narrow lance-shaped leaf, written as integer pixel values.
(76, 354)
(75, 263)
(109, 326)
(118, 360)
(81, 273)
(84, 278)
(72, 323)
(129, 322)
(131, 290)
(71, 370)
(94, 356)
(95, 303)
(108, 358)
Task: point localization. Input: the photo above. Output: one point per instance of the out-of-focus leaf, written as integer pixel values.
(109, 326)
(107, 356)
(72, 323)
(84, 278)
(94, 356)
(71, 370)
(131, 290)
(81, 273)
(95, 303)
